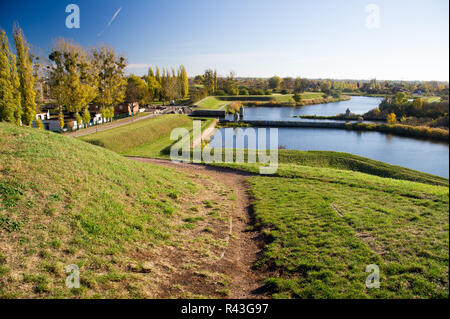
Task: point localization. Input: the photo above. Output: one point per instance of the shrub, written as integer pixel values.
(243, 92)
(392, 118)
(297, 97)
(220, 93)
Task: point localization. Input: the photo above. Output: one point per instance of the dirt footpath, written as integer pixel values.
(244, 245)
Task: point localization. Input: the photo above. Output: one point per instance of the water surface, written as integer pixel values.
(422, 155)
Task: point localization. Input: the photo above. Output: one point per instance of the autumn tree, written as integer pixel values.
(184, 81)
(231, 85)
(73, 76)
(300, 85)
(7, 103)
(209, 81)
(137, 90)
(111, 83)
(325, 87)
(275, 82)
(26, 79)
(392, 118)
(288, 83)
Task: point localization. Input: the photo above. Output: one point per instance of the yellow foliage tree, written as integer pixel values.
(392, 118)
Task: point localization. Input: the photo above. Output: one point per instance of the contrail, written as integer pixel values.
(111, 21)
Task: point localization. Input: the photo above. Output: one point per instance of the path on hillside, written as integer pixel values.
(244, 246)
(110, 125)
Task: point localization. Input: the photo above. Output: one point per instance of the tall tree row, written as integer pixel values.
(7, 103)
(26, 79)
(168, 85)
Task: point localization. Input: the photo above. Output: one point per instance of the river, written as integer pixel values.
(422, 155)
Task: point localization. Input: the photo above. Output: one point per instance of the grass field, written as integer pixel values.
(324, 226)
(212, 103)
(63, 201)
(324, 217)
(216, 102)
(431, 99)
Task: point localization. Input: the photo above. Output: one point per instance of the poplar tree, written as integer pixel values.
(150, 72)
(25, 76)
(17, 97)
(7, 106)
(184, 82)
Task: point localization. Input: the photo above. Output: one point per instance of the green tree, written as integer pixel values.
(137, 90)
(300, 85)
(7, 106)
(417, 105)
(209, 81)
(39, 124)
(400, 98)
(25, 76)
(231, 85)
(297, 97)
(275, 82)
(325, 87)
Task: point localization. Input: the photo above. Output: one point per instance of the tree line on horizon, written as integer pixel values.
(231, 85)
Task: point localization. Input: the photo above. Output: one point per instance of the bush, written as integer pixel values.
(268, 92)
(297, 97)
(243, 92)
(220, 93)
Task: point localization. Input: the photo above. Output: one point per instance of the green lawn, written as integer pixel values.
(211, 103)
(216, 102)
(323, 227)
(431, 99)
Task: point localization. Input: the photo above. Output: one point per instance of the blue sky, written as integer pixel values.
(261, 38)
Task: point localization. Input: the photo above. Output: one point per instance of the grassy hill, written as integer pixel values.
(64, 201)
(323, 227)
(147, 138)
(324, 217)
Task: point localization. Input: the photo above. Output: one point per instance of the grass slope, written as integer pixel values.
(121, 139)
(357, 163)
(63, 201)
(211, 103)
(147, 138)
(324, 226)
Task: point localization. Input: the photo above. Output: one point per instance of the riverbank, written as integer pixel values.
(292, 103)
(435, 134)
